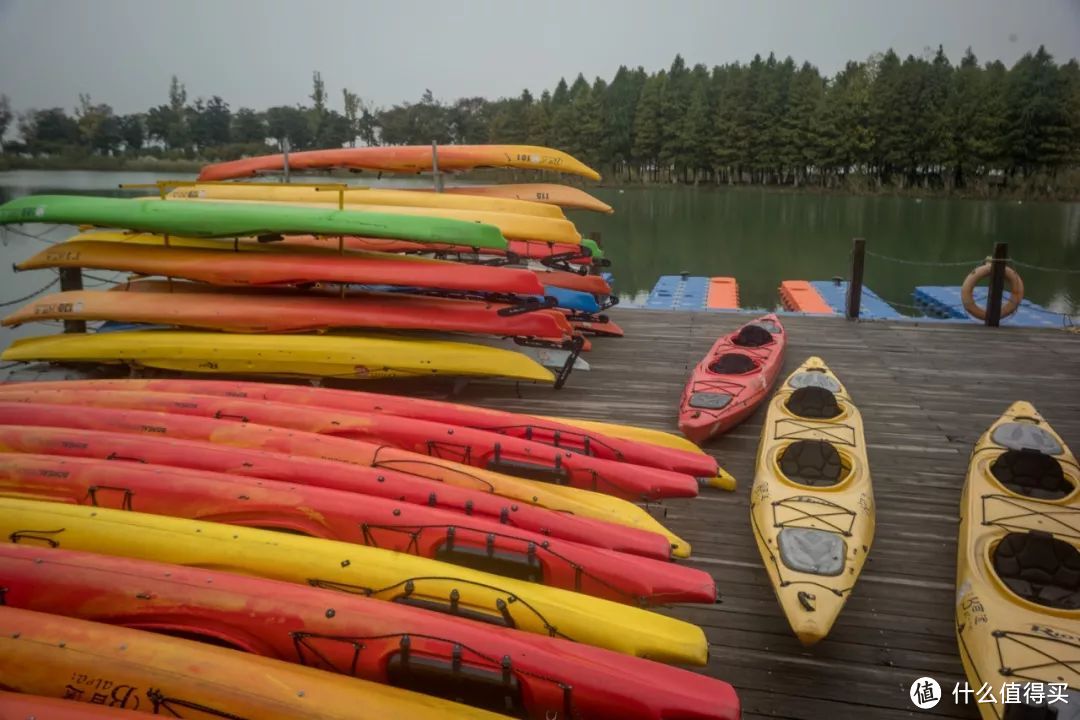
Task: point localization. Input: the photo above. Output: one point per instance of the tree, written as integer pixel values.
(801, 124)
(210, 122)
(538, 121)
(1038, 127)
(352, 104)
(248, 127)
(6, 117)
(132, 132)
(46, 132)
(620, 105)
(647, 136)
(289, 123)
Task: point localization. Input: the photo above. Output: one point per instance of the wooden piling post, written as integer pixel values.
(285, 157)
(436, 176)
(854, 291)
(997, 284)
(71, 279)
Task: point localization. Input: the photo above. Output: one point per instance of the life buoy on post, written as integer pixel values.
(967, 291)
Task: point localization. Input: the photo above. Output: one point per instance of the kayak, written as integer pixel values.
(237, 219)
(358, 195)
(354, 357)
(812, 506)
(545, 677)
(209, 307)
(507, 225)
(582, 302)
(528, 249)
(302, 470)
(53, 656)
(17, 706)
(735, 377)
(551, 431)
(1017, 596)
(405, 159)
(468, 446)
(33, 411)
(230, 268)
(379, 574)
(321, 512)
(564, 196)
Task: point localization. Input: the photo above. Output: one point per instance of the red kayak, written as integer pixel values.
(232, 434)
(733, 379)
(478, 448)
(605, 328)
(377, 483)
(253, 268)
(529, 249)
(197, 305)
(543, 430)
(347, 517)
(17, 706)
(495, 668)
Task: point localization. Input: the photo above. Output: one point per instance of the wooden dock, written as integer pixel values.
(926, 393)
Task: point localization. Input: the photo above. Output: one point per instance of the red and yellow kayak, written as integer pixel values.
(347, 517)
(405, 159)
(291, 442)
(17, 706)
(379, 483)
(570, 198)
(734, 378)
(230, 268)
(54, 656)
(404, 646)
(210, 307)
(478, 448)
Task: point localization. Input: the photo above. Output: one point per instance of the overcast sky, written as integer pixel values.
(259, 54)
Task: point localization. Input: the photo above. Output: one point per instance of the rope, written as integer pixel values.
(1040, 268)
(18, 301)
(39, 238)
(903, 261)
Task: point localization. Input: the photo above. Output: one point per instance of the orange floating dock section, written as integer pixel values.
(801, 296)
(723, 293)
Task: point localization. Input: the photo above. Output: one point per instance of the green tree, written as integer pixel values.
(1038, 128)
(620, 106)
(647, 137)
(248, 127)
(47, 132)
(6, 116)
(353, 105)
(801, 123)
(132, 131)
(538, 121)
(289, 123)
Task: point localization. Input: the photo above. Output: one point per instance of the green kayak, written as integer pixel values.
(597, 253)
(211, 219)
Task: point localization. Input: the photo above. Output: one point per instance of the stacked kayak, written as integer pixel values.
(812, 505)
(1018, 563)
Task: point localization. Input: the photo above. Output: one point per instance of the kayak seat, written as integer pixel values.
(732, 364)
(813, 402)
(1038, 567)
(1025, 436)
(752, 336)
(812, 462)
(1031, 473)
(710, 400)
(808, 550)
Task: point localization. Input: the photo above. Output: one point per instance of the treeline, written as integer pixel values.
(886, 122)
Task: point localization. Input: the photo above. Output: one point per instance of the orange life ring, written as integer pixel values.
(967, 291)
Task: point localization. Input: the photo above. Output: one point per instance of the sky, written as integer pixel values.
(262, 53)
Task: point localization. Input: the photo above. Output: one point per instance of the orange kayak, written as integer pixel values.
(55, 656)
(209, 307)
(530, 249)
(570, 198)
(231, 268)
(405, 159)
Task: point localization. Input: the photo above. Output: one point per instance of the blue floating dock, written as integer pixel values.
(872, 307)
(674, 292)
(944, 301)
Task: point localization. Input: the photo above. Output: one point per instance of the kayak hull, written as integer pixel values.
(348, 517)
(380, 574)
(1017, 622)
(292, 623)
(756, 369)
(211, 308)
(60, 657)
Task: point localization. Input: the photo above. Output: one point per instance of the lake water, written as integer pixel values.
(759, 237)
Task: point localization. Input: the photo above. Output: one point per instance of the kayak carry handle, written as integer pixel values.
(452, 606)
(556, 473)
(507, 563)
(530, 305)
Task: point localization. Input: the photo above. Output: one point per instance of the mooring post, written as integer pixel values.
(595, 237)
(71, 279)
(997, 284)
(436, 176)
(285, 157)
(854, 291)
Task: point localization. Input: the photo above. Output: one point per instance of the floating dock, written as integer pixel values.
(801, 296)
(944, 301)
(679, 292)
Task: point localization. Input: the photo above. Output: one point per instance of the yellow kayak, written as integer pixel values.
(630, 432)
(354, 356)
(812, 506)
(89, 662)
(381, 574)
(512, 225)
(359, 195)
(1018, 561)
(564, 196)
